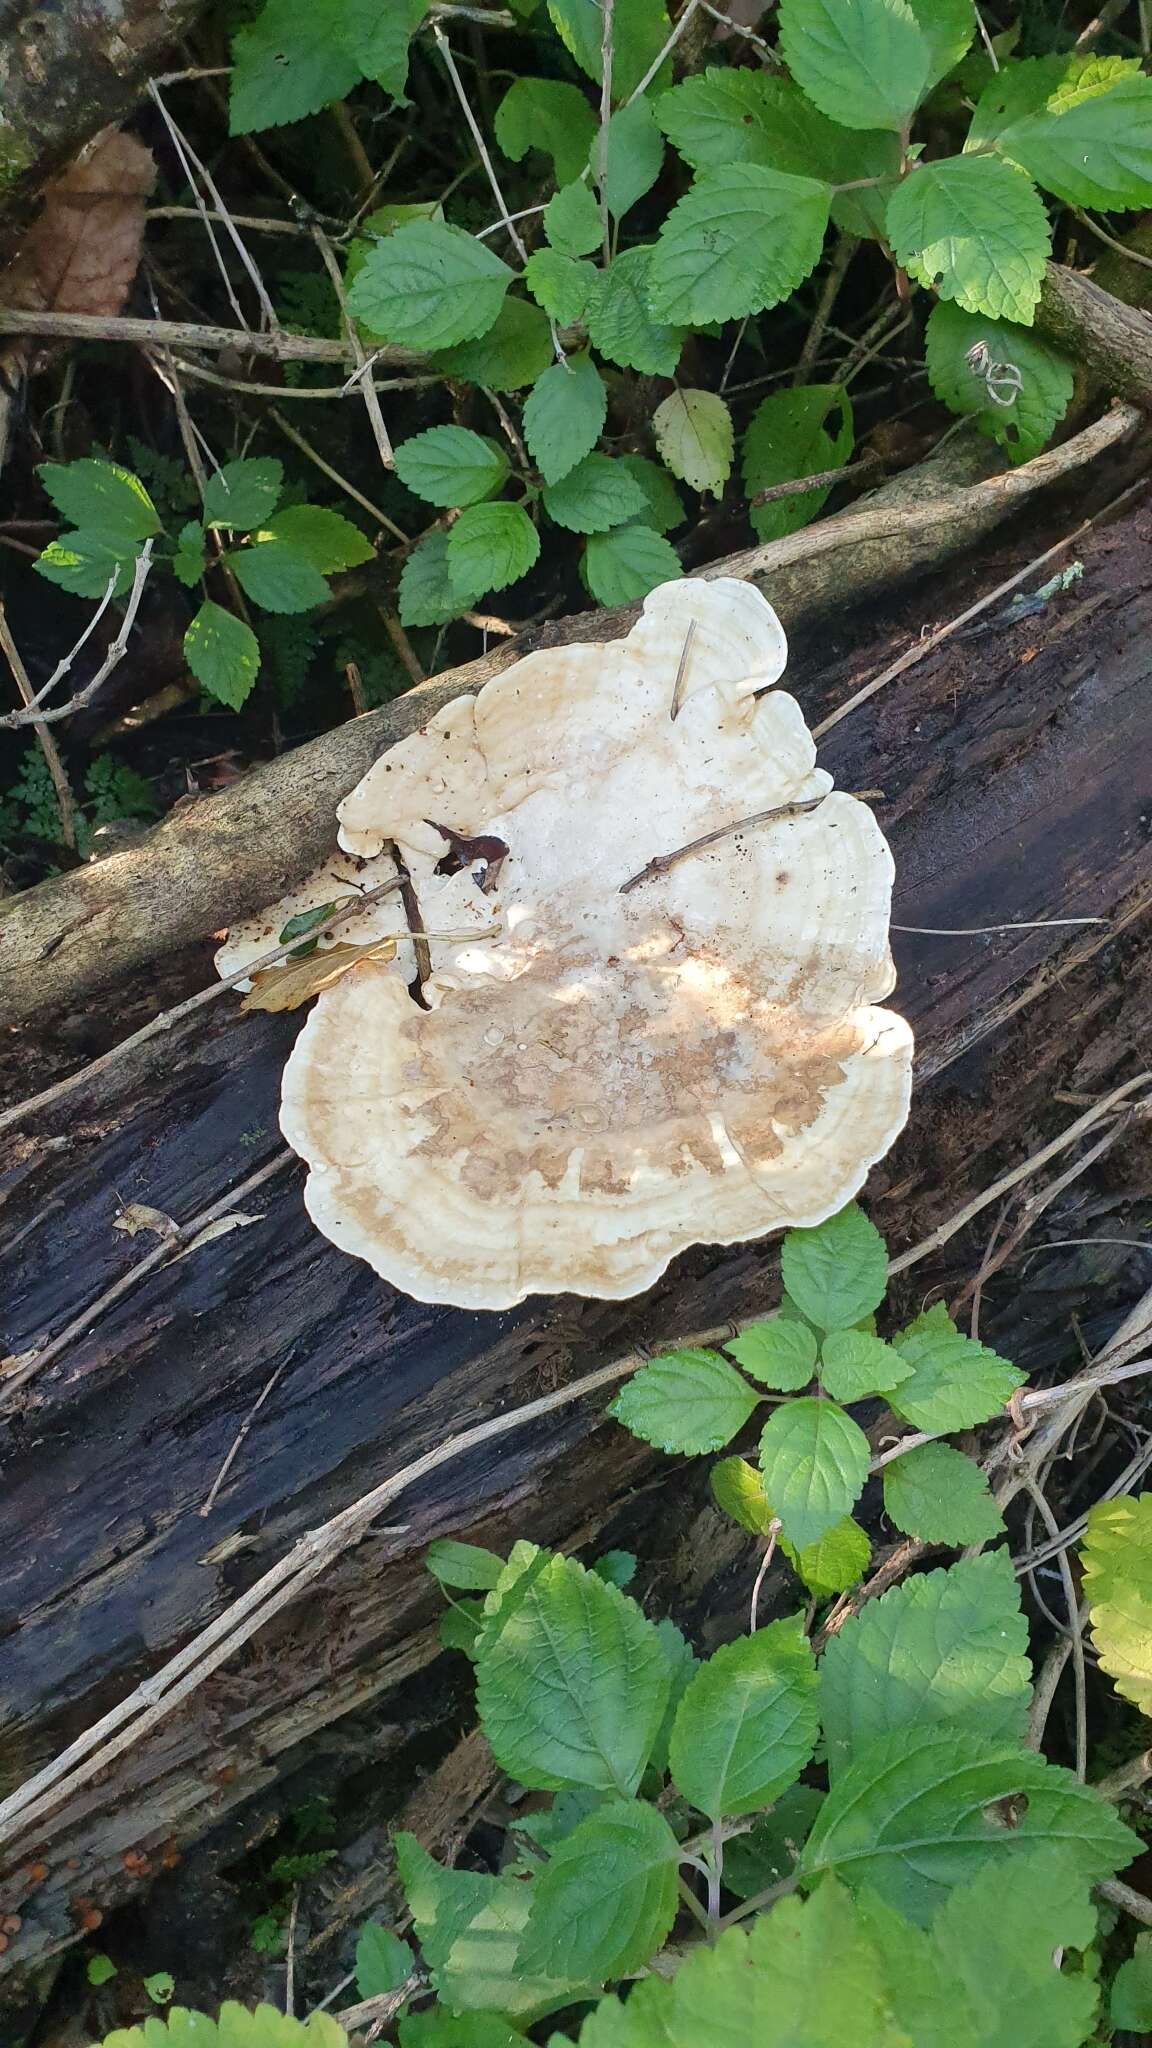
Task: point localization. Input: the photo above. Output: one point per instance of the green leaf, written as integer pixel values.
(627, 563)
(837, 1560)
(463, 1564)
(1081, 126)
(85, 563)
(103, 499)
(948, 28)
(620, 324)
(551, 1824)
(664, 507)
(740, 241)
(685, 1401)
(866, 63)
(236, 2026)
(429, 285)
(383, 1961)
(510, 355)
(596, 495)
(836, 1273)
(451, 466)
(640, 29)
(291, 61)
(243, 494)
(635, 155)
(278, 576)
(563, 416)
(189, 559)
(769, 1851)
(572, 220)
(788, 437)
(854, 1365)
(1033, 382)
(427, 595)
(747, 1724)
(940, 1496)
(949, 1646)
(738, 1489)
(441, 2029)
(223, 654)
(378, 38)
(617, 1567)
(955, 1383)
(909, 1817)
(489, 547)
(470, 1927)
(561, 284)
(780, 1354)
(607, 1897)
(693, 431)
(100, 1970)
(549, 115)
(160, 1986)
(814, 1459)
(1130, 1998)
(460, 1626)
(975, 229)
(326, 539)
(1117, 1560)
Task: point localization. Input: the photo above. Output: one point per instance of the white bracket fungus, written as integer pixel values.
(605, 1073)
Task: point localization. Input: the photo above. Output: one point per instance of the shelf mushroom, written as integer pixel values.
(664, 1031)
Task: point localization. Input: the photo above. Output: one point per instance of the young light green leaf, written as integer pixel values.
(1130, 1998)
(955, 1383)
(1080, 125)
(289, 62)
(243, 494)
(278, 576)
(607, 1897)
(635, 154)
(664, 506)
(938, 1495)
(693, 431)
(429, 285)
(572, 220)
(747, 1724)
(563, 416)
(563, 285)
(866, 63)
(975, 229)
(1117, 1560)
(223, 654)
(378, 38)
(451, 465)
(596, 495)
(949, 1646)
(383, 1961)
(1011, 383)
(914, 1814)
(463, 1564)
(571, 1690)
(100, 1970)
(511, 354)
(325, 538)
(102, 498)
(768, 1852)
(738, 1489)
(549, 115)
(627, 563)
(188, 562)
(793, 434)
(854, 1365)
(620, 324)
(685, 1401)
(814, 1459)
(780, 1354)
(427, 595)
(470, 1927)
(836, 1273)
(489, 547)
(85, 563)
(640, 29)
(740, 241)
(837, 1560)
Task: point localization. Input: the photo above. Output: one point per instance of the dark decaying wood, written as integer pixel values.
(1013, 766)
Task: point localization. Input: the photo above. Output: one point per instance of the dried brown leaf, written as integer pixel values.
(286, 987)
(82, 252)
(137, 1216)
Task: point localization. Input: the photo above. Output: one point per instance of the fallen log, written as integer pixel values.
(1009, 794)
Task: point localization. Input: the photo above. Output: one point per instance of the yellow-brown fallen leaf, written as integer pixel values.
(137, 1216)
(286, 987)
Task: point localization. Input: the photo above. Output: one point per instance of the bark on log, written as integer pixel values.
(1097, 331)
(1008, 766)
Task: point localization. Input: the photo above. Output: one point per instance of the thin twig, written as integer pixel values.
(1129, 1901)
(65, 801)
(842, 255)
(822, 479)
(664, 52)
(980, 931)
(678, 685)
(112, 659)
(241, 1433)
(363, 366)
(661, 862)
(1113, 241)
(445, 49)
(290, 1962)
(298, 440)
(1128, 1778)
(248, 389)
(765, 1562)
(1075, 1625)
(305, 348)
(207, 220)
(987, 41)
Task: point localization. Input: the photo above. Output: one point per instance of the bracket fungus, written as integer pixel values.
(635, 1052)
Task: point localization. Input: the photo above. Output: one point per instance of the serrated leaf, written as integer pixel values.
(1080, 125)
(463, 1564)
(607, 1897)
(379, 37)
(236, 2027)
(510, 355)
(429, 285)
(572, 220)
(563, 285)
(291, 61)
(627, 563)
(938, 1495)
(243, 494)
(975, 229)
(780, 1354)
(85, 563)
(635, 155)
(617, 1567)
(451, 466)
(1034, 384)
(102, 498)
(949, 1646)
(550, 115)
(747, 1724)
(489, 547)
(694, 434)
(427, 595)
(664, 506)
(738, 1489)
(740, 241)
(325, 538)
(955, 1383)
(685, 1401)
(470, 1928)
(769, 1851)
(836, 1273)
(910, 1818)
(854, 1365)
(814, 1460)
(866, 63)
(551, 1824)
(948, 27)
(640, 29)
(788, 436)
(596, 495)
(1130, 1997)
(222, 653)
(1117, 1560)
(723, 117)
(278, 577)
(188, 562)
(564, 414)
(837, 1560)
(620, 324)
(383, 1961)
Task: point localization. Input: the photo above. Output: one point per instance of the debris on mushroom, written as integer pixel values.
(634, 1054)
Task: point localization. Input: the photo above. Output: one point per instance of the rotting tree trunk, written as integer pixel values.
(1009, 764)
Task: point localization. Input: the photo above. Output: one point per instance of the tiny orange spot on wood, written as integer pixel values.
(73, 1863)
(1029, 654)
(36, 1872)
(11, 1923)
(86, 1915)
(169, 1856)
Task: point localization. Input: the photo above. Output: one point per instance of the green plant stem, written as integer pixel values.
(760, 1901)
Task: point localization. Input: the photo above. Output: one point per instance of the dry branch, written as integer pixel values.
(1099, 331)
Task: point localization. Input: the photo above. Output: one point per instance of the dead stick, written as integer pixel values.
(820, 481)
(661, 862)
(308, 348)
